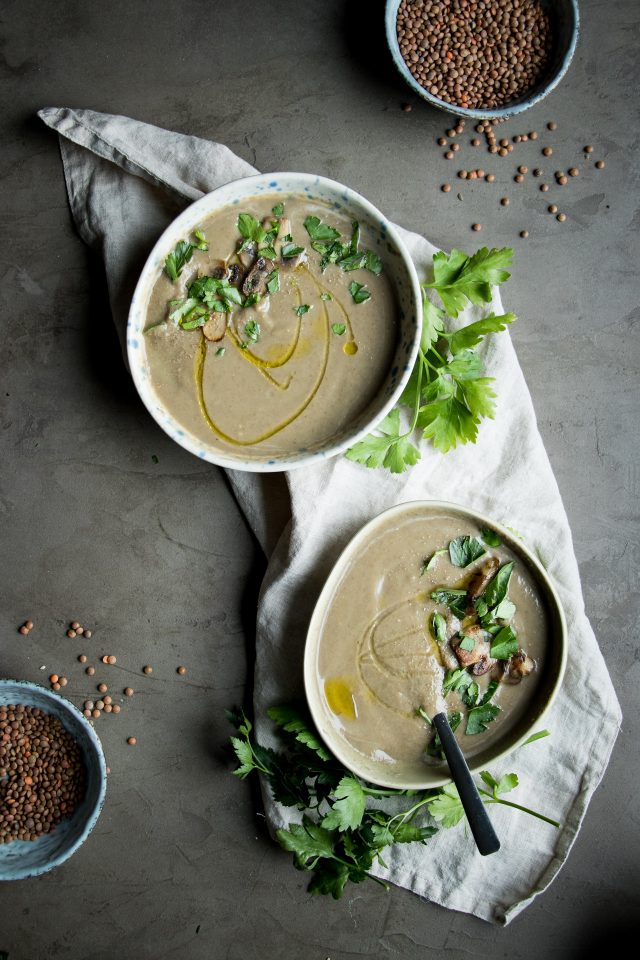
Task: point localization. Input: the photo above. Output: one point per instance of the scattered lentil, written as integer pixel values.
(29, 624)
(503, 151)
(181, 670)
(99, 704)
(537, 172)
(451, 133)
(56, 686)
(574, 172)
(74, 625)
(462, 174)
(406, 107)
(82, 658)
(561, 217)
(600, 164)
(476, 226)
(111, 660)
(71, 634)
(544, 187)
(562, 180)
(455, 147)
(23, 630)
(446, 188)
(131, 741)
(588, 149)
(89, 704)
(533, 135)
(523, 169)
(53, 678)
(107, 700)
(90, 671)
(547, 151)
(552, 208)
(63, 681)
(442, 141)
(95, 713)
(524, 234)
(490, 178)
(449, 155)
(87, 634)
(128, 691)
(102, 688)
(87, 713)
(108, 708)
(475, 142)
(552, 125)
(116, 708)
(518, 178)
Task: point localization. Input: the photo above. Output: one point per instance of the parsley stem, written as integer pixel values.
(516, 806)
(410, 813)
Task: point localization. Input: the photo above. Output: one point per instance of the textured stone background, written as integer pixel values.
(156, 557)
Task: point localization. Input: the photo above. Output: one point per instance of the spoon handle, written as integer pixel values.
(481, 827)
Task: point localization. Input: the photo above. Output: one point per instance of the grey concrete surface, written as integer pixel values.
(156, 558)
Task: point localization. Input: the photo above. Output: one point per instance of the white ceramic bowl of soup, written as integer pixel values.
(406, 321)
(362, 669)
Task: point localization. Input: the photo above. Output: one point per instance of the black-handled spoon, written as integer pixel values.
(483, 833)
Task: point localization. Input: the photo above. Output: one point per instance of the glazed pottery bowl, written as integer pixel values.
(398, 266)
(22, 858)
(565, 25)
(430, 774)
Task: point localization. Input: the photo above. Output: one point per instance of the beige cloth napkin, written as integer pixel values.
(126, 180)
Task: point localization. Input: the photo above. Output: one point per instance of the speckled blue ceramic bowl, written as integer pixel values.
(565, 21)
(21, 858)
(398, 265)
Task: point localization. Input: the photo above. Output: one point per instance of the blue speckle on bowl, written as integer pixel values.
(20, 858)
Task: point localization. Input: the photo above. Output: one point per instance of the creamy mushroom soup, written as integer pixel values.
(431, 614)
(273, 327)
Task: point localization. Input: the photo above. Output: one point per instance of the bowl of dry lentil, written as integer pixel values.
(52, 779)
(483, 59)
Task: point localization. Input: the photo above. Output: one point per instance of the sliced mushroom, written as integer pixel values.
(219, 270)
(256, 280)
(481, 648)
(483, 666)
(248, 255)
(514, 669)
(480, 580)
(215, 327)
(235, 274)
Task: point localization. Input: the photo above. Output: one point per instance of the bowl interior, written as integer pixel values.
(565, 20)
(398, 265)
(23, 858)
(436, 774)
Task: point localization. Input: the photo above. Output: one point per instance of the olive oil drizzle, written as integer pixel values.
(199, 376)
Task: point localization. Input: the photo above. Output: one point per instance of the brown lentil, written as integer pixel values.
(63, 681)
(588, 149)
(480, 174)
(23, 630)
(71, 634)
(561, 217)
(524, 234)
(116, 708)
(181, 671)
(79, 631)
(442, 141)
(519, 178)
(449, 155)
(87, 713)
(53, 678)
(574, 172)
(544, 187)
(107, 701)
(473, 175)
(490, 178)
(547, 151)
(104, 658)
(523, 169)
(451, 133)
(503, 151)
(95, 713)
(600, 164)
(82, 658)
(87, 634)
(42, 776)
(29, 624)
(446, 188)
(102, 688)
(475, 142)
(74, 625)
(89, 704)
(505, 201)
(406, 107)
(476, 226)
(562, 180)
(90, 671)
(552, 208)
(56, 686)
(533, 135)
(462, 174)
(108, 708)
(537, 172)
(99, 704)
(111, 660)
(455, 147)
(474, 54)
(131, 741)
(128, 691)
(524, 137)
(552, 125)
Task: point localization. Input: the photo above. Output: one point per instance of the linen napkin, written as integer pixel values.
(126, 181)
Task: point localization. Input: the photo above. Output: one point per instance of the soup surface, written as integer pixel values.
(410, 631)
(276, 335)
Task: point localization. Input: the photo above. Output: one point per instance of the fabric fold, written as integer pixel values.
(126, 181)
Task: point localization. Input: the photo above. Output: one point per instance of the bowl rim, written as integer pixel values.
(68, 707)
(334, 743)
(496, 113)
(167, 240)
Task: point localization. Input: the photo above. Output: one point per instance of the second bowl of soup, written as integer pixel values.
(275, 322)
(432, 608)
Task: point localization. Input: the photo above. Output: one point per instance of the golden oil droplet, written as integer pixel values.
(350, 348)
(339, 698)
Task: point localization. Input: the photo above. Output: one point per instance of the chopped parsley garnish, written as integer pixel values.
(273, 281)
(496, 589)
(252, 330)
(338, 328)
(439, 628)
(456, 600)
(302, 309)
(250, 229)
(220, 352)
(429, 564)
(326, 296)
(278, 210)
(320, 232)
(464, 550)
(182, 253)
(251, 300)
(467, 643)
(291, 250)
(504, 644)
(490, 537)
(479, 718)
(359, 292)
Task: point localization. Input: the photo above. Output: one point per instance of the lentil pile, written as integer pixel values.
(42, 776)
(475, 53)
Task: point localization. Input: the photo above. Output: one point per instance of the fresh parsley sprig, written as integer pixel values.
(344, 830)
(182, 253)
(447, 393)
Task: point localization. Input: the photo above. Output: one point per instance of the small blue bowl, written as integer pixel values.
(26, 858)
(565, 23)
